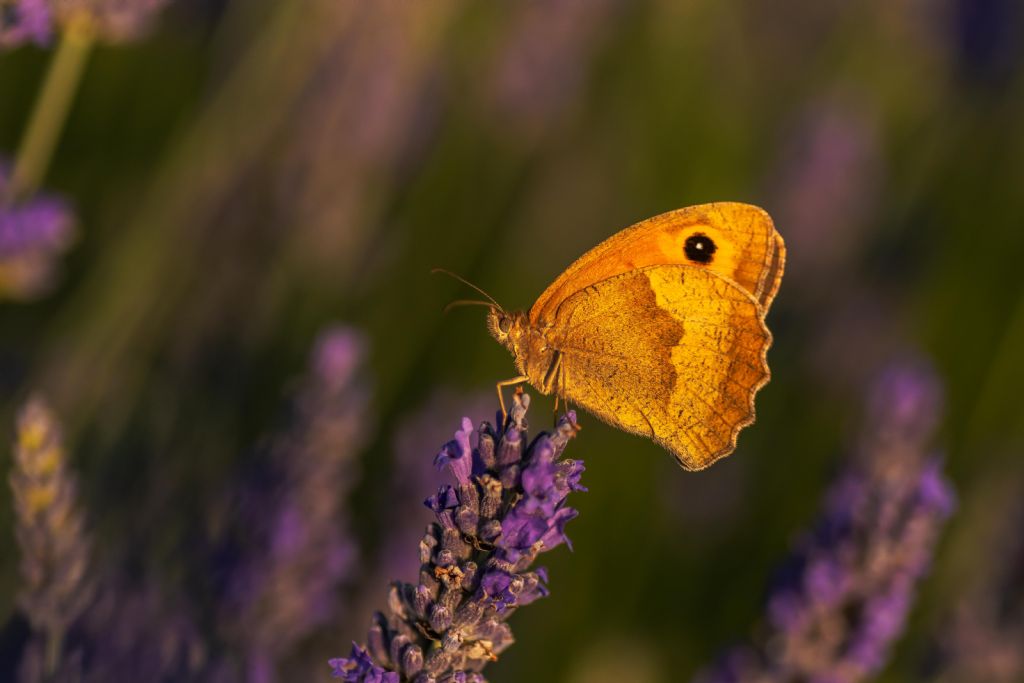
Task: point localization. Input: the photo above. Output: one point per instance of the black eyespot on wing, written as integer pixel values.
(700, 248)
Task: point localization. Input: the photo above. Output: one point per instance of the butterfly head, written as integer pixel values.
(530, 349)
(507, 328)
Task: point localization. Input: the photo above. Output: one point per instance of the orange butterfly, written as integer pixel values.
(659, 329)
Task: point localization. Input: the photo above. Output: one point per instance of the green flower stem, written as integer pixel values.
(51, 107)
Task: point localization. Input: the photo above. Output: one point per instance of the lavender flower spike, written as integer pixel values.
(300, 549)
(54, 546)
(508, 506)
(844, 602)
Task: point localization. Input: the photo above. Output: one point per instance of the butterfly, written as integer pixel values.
(660, 329)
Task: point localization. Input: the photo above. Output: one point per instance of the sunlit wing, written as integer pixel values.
(675, 353)
(736, 241)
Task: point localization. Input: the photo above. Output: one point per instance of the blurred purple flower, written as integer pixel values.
(136, 632)
(56, 585)
(823, 191)
(508, 506)
(825, 186)
(542, 65)
(24, 21)
(850, 585)
(33, 234)
(296, 550)
(366, 112)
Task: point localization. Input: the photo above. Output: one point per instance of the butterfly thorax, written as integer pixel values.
(533, 355)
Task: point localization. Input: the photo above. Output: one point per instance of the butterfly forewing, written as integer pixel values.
(736, 241)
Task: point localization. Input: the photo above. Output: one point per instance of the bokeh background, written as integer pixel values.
(251, 173)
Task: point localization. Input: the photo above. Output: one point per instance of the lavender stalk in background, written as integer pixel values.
(845, 599)
(138, 631)
(508, 505)
(83, 629)
(33, 235)
(542, 65)
(24, 21)
(372, 93)
(984, 638)
(296, 550)
(824, 187)
(56, 586)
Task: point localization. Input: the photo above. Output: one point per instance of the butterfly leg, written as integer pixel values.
(559, 392)
(508, 383)
(551, 381)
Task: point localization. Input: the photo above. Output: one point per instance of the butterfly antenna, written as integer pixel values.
(466, 302)
(468, 284)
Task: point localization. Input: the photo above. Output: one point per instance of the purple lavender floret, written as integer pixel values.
(836, 612)
(508, 505)
(25, 21)
(359, 668)
(34, 232)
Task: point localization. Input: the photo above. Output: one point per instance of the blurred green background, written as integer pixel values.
(257, 170)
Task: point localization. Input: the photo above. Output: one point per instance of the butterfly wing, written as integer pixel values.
(736, 241)
(675, 353)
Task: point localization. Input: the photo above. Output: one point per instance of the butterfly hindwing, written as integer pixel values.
(672, 352)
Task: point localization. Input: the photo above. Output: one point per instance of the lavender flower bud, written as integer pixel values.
(485, 448)
(412, 660)
(510, 448)
(491, 529)
(457, 454)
